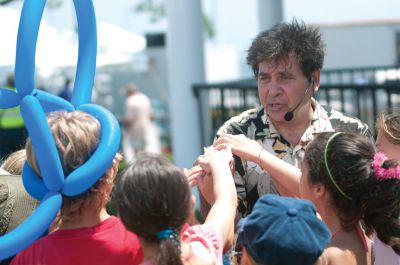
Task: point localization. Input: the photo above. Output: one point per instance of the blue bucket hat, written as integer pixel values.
(282, 230)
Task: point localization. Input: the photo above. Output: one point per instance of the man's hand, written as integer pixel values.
(242, 146)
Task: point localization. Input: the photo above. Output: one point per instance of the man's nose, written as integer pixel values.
(274, 89)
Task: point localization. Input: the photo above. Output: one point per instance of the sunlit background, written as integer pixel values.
(133, 47)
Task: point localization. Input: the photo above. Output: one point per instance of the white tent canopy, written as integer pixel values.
(56, 48)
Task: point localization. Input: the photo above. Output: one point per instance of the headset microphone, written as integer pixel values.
(289, 115)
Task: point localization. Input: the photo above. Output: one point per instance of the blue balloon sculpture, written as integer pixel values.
(34, 104)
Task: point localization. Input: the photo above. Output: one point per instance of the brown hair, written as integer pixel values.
(375, 202)
(153, 195)
(286, 39)
(76, 135)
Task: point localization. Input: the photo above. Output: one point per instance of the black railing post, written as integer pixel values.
(222, 107)
(389, 96)
(374, 103)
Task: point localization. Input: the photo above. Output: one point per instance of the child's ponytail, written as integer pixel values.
(382, 205)
(169, 244)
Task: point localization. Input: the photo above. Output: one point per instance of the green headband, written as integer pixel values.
(327, 167)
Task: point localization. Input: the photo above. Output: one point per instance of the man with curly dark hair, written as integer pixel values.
(287, 61)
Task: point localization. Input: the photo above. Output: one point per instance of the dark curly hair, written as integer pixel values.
(376, 203)
(286, 39)
(153, 195)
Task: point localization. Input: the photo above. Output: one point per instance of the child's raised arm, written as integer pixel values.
(223, 209)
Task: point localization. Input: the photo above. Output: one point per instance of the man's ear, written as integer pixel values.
(316, 80)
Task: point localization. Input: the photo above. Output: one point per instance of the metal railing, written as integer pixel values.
(361, 93)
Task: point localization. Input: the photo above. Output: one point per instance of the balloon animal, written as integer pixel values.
(34, 104)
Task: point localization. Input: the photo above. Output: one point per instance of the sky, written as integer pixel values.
(236, 21)
(324, 11)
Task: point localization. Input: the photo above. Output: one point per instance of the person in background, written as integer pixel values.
(15, 202)
(14, 163)
(141, 133)
(86, 233)
(12, 127)
(15, 205)
(66, 91)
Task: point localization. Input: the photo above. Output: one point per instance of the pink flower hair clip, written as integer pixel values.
(384, 173)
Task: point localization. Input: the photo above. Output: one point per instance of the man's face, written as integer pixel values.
(281, 86)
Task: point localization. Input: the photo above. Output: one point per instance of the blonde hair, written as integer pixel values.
(14, 163)
(389, 123)
(76, 135)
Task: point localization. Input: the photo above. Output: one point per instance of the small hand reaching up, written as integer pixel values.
(201, 174)
(215, 158)
(195, 175)
(219, 184)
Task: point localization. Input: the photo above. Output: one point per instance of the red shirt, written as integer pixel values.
(106, 243)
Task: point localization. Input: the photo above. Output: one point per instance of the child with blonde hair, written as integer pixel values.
(86, 233)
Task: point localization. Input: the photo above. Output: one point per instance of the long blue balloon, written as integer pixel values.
(84, 78)
(51, 103)
(8, 98)
(43, 143)
(102, 158)
(28, 30)
(33, 184)
(32, 228)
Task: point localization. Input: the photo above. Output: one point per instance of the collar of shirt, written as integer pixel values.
(320, 123)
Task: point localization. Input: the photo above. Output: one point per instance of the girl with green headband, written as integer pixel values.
(348, 182)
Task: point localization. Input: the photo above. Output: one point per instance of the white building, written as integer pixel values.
(362, 44)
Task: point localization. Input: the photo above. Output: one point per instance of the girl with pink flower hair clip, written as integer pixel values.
(356, 191)
(388, 144)
(388, 133)
(380, 168)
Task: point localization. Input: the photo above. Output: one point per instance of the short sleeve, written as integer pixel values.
(205, 241)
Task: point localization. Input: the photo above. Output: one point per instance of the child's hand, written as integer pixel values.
(215, 157)
(194, 175)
